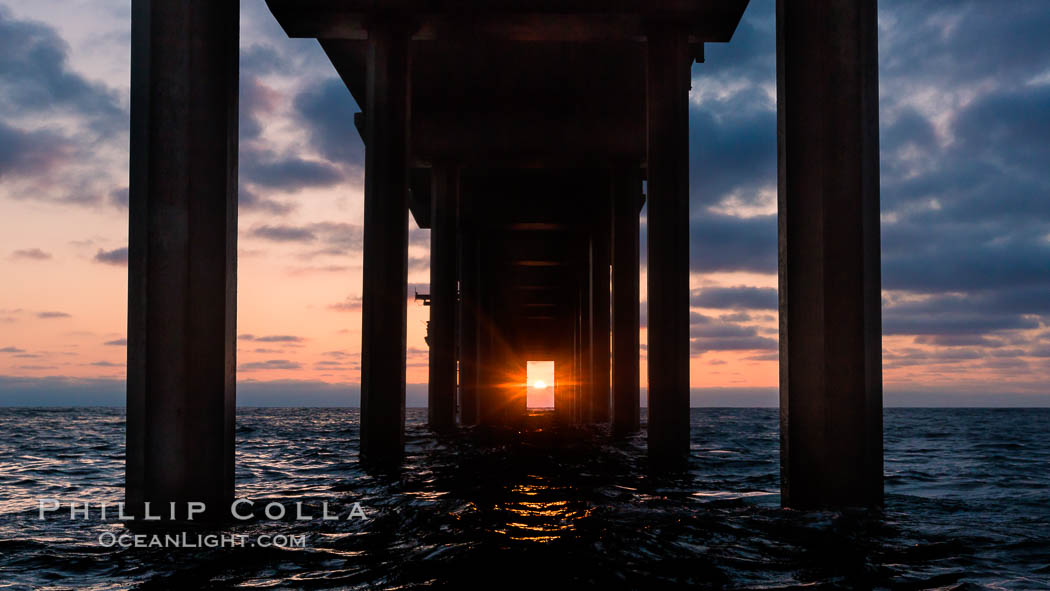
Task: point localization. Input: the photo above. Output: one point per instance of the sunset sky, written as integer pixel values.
(965, 140)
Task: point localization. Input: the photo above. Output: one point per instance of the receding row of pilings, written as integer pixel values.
(183, 229)
(535, 269)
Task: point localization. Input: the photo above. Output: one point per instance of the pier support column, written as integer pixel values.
(586, 399)
(565, 358)
(830, 320)
(600, 337)
(385, 273)
(627, 192)
(488, 336)
(468, 327)
(441, 393)
(667, 92)
(182, 257)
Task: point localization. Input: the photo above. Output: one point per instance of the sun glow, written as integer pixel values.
(539, 384)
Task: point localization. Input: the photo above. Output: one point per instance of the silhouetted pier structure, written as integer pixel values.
(520, 132)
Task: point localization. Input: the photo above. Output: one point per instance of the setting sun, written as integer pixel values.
(539, 382)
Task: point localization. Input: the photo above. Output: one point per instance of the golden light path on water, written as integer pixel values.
(542, 513)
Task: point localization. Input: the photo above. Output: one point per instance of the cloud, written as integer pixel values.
(283, 233)
(350, 304)
(327, 109)
(277, 338)
(964, 109)
(965, 314)
(12, 350)
(334, 238)
(52, 314)
(421, 263)
(31, 254)
(735, 298)
(117, 256)
(249, 200)
(35, 77)
(269, 364)
(288, 173)
(710, 334)
(119, 197)
(728, 243)
(319, 269)
(261, 59)
(256, 101)
(117, 343)
(61, 135)
(28, 153)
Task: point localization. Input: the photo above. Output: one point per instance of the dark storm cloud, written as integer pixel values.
(35, 77)
(732, 131)
(117, 256)
(732, 153)
(735, 298)
(952, 42)
(729, 243)
(958, 261)
(1010, 129)
(969, 213)
(967, 314)
(328, 110)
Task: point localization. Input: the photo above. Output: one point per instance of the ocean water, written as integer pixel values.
(967, 507)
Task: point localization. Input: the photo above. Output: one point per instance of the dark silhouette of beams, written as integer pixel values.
(182, 256)
(565, 20)
(830, 331)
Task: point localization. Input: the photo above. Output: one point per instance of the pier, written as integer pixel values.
(526, 135)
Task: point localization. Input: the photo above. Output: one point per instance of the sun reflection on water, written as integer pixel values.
(540, 513)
